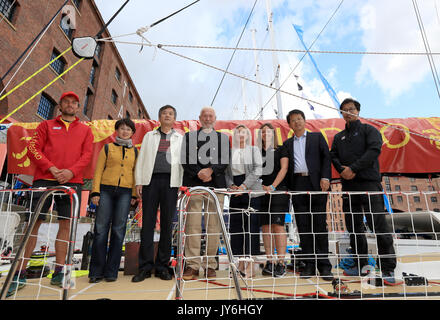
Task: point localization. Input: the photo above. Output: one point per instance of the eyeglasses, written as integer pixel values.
(351, 110)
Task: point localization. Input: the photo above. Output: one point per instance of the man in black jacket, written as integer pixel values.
(355, 152)
(205, 157)
(309, 170)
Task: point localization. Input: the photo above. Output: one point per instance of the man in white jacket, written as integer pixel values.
(158, 177)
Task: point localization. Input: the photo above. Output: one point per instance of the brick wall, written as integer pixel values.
(16, 35)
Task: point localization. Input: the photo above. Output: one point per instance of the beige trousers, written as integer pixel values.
(193, 231)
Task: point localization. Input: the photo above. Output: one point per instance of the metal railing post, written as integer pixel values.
(225, 238)
(28, 232)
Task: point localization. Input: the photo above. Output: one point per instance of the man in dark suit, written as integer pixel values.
(309, 170)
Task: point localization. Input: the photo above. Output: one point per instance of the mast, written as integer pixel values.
(243, 88)
(257, 75)
(276, 65)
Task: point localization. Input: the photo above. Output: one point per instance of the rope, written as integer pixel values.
(267, 49)
(379, 123)
(302, 58)
(33, 75)
(427, 47)
(41, 90)
(233, 53)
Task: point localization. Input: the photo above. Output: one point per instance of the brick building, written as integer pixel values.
(405, 194)
(103, 83)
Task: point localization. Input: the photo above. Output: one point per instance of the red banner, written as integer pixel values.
(411, 145)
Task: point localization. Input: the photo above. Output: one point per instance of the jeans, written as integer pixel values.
(113, 209)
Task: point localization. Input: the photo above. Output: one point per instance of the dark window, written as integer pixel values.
(109, 117)
(114, 97)
(59, 64)
(93, 73)
(8, 8)
(430, 188)
(397, 187)
(130, 96)
(387, 179)
(416, 199)
(87, 102)
(412, 179)
(388, 187)
(98, 49)
(65, 26)
(46, 107)
(434, 199)
(127, 114)
(118, 74)
(77, 3)
(399, 199)
(140, 113)
(437, 210)
(414, 188)
(391, 199)
(419, 209)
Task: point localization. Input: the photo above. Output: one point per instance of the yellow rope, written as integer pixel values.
(33, 75)
(41, 90)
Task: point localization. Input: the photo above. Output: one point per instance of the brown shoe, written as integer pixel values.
(190, 274)
(210, 273)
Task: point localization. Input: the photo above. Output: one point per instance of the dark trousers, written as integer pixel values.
(355, 207)
(244, 227)
(112, 212)
(311, 221)
(157, 193)
(62, 201)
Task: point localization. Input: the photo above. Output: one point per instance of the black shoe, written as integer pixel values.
(309, 271)
(110, 279)
(280, 270)
(94, 280)
(326, 275)
(141, 276)
(268, 269)
(164, 275)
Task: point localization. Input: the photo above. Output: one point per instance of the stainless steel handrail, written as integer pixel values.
(73, 227)
(182, 204)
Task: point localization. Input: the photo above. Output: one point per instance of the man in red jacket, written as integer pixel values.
(61, 149)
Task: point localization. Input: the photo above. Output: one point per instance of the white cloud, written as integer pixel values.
(393, 28)
(172, 80)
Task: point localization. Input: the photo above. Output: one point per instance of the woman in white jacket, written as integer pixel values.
(158, 177)
(244, 174)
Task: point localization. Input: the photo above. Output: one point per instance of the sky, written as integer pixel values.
(387, 86)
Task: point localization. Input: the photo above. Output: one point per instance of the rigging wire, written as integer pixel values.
(183, 46)
(302, 58)
(377, 122)
(23, 62)
(427, 47)
(233, 53)
(33, 41)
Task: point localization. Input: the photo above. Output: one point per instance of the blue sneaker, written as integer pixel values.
(17, 283)
(57, 279)
(354, 272)
(388, 278)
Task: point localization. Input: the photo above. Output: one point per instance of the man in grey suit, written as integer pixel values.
(309, 170)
